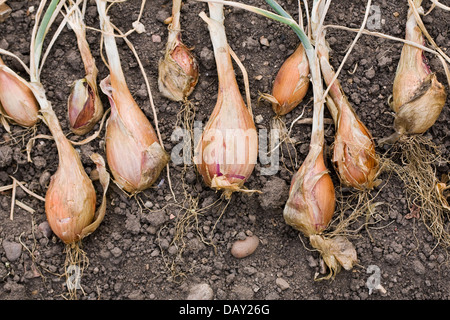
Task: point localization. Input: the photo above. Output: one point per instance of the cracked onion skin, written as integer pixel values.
(417, 97)
(177, 71)
(84, 106)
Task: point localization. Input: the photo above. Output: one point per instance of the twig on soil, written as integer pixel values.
(13, 198)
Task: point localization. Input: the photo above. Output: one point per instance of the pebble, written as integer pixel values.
(282, 284)
(275, 194)
(156, 218)
(419, 268)
(258, 119)
(207, 58)
(117, 252)
(201, 291)
(370, 74)
(244, 248)
(45, 229)
(156, 38)
(392, 258)
(44, 179)
(136, 295)
(13, 250)
(39, 162)
(264, 41)
(311, 261)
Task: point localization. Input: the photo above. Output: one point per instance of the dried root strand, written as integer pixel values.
(417, 159)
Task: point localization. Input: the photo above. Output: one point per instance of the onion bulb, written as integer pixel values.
(84, 104)
(354, 155)
(133, 152)
(291, 83)
(417, 97)
(17, 101)
(70, 199)
(178, 70)
(227, 150)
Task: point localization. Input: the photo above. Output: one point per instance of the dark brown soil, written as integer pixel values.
(132, 255)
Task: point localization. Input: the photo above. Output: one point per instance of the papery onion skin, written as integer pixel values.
(291, 83)
(17, 101)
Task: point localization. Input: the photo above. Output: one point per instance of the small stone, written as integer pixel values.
(207, 58)
(45, 229)
(201, 291)
(264, 41)
(156, 38)
(244, 248)
(39, 162)
(243, 292)
(419, 268)
(136, 295)
(258, 119)
(282, 284)
(392, 258)
(156, 218)
(44, 179)
(311, 262)
(148, 204)
(275, 194)
(13, 250)
(117, 252)
(162, 15)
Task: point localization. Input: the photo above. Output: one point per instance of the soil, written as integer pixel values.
(147, 247)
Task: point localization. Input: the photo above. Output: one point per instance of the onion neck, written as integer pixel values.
(176, 8)
(225, 71)
(52, 122)
(85, 51)
(115, 67)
